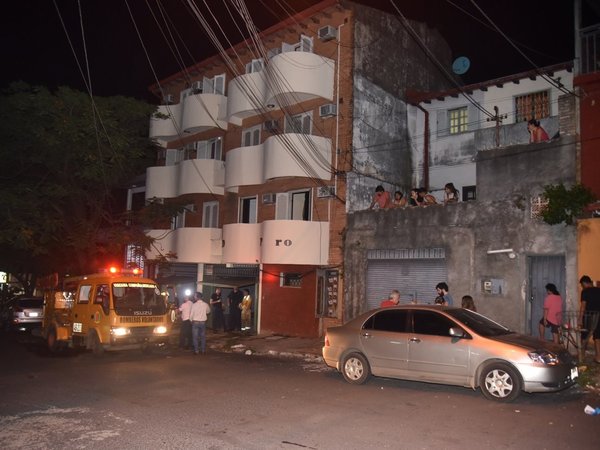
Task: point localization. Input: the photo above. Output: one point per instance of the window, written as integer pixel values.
(256, 65)
(457, 120)
(173, 156)
(304, 45)
(210, 215)
(248, 210)
(432, 323)
(290, 279)
(251, 136)
(293, 206)
(210, 149)
(215, 85)
(300, 123)
(84, 293)
(179, 220)
(532, 106)
(390, 320)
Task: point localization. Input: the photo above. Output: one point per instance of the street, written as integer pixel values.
(173, 399)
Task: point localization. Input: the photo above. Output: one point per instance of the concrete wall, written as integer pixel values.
(387, 62)
(467, 231)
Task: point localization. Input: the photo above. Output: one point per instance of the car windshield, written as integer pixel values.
(138, 299)
(31, 302)
(478, 323)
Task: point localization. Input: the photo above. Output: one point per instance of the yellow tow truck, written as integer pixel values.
(105, 311)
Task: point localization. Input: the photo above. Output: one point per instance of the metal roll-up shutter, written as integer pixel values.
(413, 272)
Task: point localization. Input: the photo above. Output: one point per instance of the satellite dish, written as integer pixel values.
(461, 65)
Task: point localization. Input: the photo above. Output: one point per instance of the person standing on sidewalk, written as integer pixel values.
(246, 307)
(198, 316)
(185, 330)
(217, 311)
(235, 299)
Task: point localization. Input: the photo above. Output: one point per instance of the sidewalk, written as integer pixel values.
(271, 345)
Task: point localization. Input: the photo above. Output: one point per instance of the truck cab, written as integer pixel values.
(106, 311)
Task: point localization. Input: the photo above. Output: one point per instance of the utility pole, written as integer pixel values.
(498, 119)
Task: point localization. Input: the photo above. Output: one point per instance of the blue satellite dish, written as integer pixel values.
(461, 65)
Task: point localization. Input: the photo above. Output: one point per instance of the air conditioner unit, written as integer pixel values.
(327, 33)
(325, 191)
(328, 110)
(271, 125)
(268, 199)
(168, 99)
(196, 87)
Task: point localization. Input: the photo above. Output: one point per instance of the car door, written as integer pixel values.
(385, 342)
(434, 355)
(81, 308)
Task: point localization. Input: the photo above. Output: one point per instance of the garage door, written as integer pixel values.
(413, 272)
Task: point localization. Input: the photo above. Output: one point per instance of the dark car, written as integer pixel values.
(440, 344)
(23, 313)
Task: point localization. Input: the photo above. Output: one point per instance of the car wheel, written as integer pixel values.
(355, 368)
(95, 344)
(500, 382)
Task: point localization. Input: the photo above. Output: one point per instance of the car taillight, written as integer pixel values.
(326, 341)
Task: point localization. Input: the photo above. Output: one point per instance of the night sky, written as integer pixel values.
(35, 48)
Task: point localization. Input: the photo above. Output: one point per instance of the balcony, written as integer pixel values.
(241, 243)
(295, 242)
(290, 78)
(590, 49)
(203, 112)
(167, 126)
(240, 105)
(273, 159)
(192, 176)
(191, 245)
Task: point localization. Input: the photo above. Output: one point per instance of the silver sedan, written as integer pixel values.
(439, 344)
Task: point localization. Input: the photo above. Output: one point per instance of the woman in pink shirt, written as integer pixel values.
(552, 312)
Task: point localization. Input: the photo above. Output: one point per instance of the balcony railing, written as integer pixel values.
(192, 176)
(203, 112)
(190, 244)
(283, 155)
(289, 78)
(165, 124)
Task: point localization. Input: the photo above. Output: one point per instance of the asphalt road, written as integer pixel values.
(175, 400)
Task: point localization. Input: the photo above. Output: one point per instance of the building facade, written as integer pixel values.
(265, 146)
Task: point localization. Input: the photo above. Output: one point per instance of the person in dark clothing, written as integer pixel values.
(589, 312)
(235, 314)
(216, 305)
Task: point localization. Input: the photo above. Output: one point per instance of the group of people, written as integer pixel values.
(231, 314)
(588, 318)
(418, 197)
(443, 298)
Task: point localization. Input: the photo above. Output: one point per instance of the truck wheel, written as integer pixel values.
(95, 344)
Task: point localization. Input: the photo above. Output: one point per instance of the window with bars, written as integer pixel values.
(535, 105)
(538, 205)
(290, 279)
(458, 119)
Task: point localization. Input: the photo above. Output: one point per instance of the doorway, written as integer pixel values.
(543, 270)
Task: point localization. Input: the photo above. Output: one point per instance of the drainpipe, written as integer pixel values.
(425, 147)
(337, 111)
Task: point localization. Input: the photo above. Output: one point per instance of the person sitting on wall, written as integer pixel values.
(381, 198)
(450, 194)
(399, 200)
(414, 199)
(536, 132)
(426, 197)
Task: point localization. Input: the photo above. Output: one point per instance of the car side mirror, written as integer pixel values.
(457, 332)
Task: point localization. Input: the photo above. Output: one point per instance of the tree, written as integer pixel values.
(63, 158)
(565, 205)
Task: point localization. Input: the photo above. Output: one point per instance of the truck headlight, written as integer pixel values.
(121, 331)
(161, 329)
(544, 357)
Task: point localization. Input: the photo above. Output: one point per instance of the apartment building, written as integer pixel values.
(267, 145)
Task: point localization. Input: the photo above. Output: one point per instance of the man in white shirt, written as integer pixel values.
(185, 331)
(198, 316)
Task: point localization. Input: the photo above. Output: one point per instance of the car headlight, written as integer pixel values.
(120, 331)
(161, 329)
(544, 357)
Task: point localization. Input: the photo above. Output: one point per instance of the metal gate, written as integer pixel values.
(543, 270)
(413, 272)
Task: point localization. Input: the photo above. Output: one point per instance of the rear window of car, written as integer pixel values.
(31, 302)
